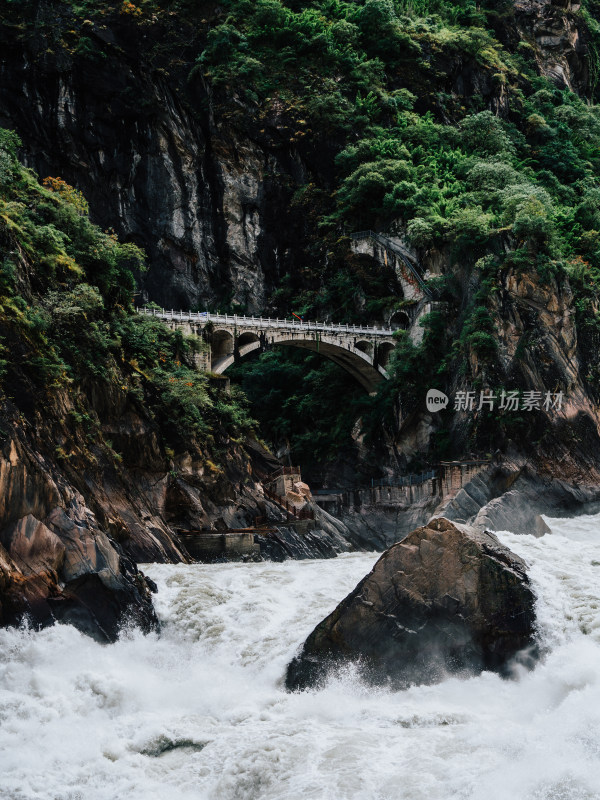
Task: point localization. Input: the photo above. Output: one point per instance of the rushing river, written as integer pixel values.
(200, 711)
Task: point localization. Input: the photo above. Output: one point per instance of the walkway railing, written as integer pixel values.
(241, 321)
(397, 250)
(448, 474)
(282, 471)
(414, 479)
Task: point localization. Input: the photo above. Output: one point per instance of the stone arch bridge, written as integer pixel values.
(361, 350)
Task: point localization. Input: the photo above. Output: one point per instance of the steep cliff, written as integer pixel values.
(110, 439)
(237, 144)
(142, 109)
(107, 103)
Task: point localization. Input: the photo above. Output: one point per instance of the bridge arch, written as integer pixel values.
(357, 362)
(222, 344)
(365, 347)
(246, 338)
(384, 351)
(247, 343)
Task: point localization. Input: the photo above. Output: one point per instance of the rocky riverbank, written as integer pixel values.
(510, 494)
(70, 541)
(72, 531)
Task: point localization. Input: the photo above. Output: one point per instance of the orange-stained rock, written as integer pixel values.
(33, 546)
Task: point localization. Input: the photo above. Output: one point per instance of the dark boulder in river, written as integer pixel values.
(447, 599)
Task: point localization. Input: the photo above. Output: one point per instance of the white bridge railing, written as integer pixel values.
(204, 317)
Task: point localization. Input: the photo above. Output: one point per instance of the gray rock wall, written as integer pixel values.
(208, 207)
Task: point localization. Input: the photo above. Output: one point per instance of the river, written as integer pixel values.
(200, 712)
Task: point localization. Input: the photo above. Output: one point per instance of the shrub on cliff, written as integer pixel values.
(67, 318)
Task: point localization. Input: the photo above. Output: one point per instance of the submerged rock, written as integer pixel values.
(447, 599)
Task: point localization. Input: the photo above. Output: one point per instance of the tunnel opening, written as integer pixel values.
(400, 320)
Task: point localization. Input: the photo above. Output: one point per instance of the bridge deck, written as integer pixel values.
(204, 317)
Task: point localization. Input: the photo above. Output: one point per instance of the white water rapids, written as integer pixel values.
(199, 712)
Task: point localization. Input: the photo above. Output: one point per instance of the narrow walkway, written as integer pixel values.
(443, 481)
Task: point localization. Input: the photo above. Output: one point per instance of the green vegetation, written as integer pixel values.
(406, 115)
(350, 70)
(496, 193)
(297, 401)
(67, 319)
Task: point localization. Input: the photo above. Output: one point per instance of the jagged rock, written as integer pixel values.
(554, 30)
(379, 526)
(303, 489)
(447, 599)
(56, 562)
(302, 539)
(296, 499)
(541, 528)
(61, 570)
(205, 202)
(513, 496)
(34, 547)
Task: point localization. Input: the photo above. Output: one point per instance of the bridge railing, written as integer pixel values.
(204, 317)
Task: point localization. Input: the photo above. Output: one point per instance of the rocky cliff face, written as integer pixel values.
(554, 30)
(73, 526)
(204, 183)
(154, 162)
(57, 561)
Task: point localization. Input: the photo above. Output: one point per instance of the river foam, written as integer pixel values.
(200, 711)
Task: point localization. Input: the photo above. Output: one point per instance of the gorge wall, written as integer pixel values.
(202, 178)
(238, 144)
(210, 207)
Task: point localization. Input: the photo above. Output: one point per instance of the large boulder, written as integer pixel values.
(67, 569)
(447, 599)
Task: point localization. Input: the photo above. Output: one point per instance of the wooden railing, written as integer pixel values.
(283, 471)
